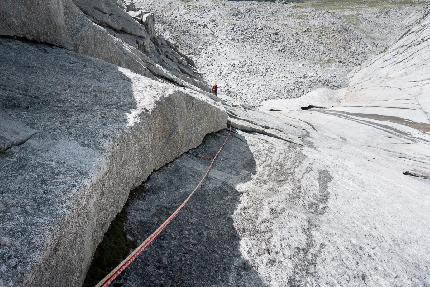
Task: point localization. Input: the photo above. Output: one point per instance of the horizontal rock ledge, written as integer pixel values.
(98, 131)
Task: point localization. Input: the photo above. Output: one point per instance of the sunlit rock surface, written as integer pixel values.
(327, 189)
(259, 50)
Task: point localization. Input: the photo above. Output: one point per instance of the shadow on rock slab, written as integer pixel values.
(201, 247)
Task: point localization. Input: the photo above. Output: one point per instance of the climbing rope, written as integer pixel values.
(114, 274)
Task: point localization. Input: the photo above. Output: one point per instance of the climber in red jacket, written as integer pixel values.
(214, 89)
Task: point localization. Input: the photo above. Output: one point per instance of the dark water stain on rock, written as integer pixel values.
(305, 257)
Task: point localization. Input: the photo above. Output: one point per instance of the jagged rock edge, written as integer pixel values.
(90, 203)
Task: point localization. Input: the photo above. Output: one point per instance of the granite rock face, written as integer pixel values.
(13, 133)
(99, 29)
(300, 197)
(91, 102)
(79, 134)
(18, 18)
(384, 85)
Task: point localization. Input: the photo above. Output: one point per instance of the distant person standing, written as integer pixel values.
(214, 89)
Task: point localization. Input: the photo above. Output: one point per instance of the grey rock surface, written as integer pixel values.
(99, 29)
(97, 131)
(300, 197)
(333, 196)
(13, 132)
(18, 18)
(387, 82)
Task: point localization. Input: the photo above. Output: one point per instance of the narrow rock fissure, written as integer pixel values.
(114, 248)
(416, 174)
(257, 129)
(248, 129)
(4, 149)
(116, 244)
(29, 41)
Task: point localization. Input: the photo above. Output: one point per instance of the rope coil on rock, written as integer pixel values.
(115, 273)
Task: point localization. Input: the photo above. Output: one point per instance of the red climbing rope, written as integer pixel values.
(144, 246)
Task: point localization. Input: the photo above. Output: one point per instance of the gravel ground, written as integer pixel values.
(265, 50)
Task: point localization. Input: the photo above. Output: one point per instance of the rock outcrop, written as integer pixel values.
(396, 83)
(91, 102)
(329, 189)
(99, 29)
(80, 134)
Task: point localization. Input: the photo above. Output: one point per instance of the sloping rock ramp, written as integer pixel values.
(100, 29)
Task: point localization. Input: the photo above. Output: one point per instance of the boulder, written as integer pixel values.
(145, 18)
